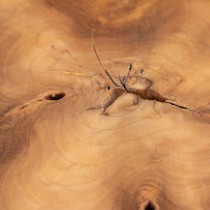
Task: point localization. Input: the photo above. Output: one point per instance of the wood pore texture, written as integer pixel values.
(58, 151)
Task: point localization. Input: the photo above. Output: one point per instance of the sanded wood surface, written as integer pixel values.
(59, 150)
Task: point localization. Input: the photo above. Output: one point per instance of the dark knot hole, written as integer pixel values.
(55, 96)
(149, 206)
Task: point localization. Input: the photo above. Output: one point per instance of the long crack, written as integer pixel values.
(153, 95)
(179, 106)
(147, 94)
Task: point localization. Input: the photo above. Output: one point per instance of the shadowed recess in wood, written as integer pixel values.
(55, 97)
(149, 206)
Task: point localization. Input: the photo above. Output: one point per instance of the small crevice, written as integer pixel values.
(149, 206)
(24, 106)
(55, 97)
(179, 106)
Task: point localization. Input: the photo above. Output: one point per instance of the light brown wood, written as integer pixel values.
(58, 151)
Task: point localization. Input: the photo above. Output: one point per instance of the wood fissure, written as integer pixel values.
(149, 149)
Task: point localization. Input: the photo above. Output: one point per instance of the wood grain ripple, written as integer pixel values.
(58, 151)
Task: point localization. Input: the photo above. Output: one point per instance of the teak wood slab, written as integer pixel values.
(70, 139)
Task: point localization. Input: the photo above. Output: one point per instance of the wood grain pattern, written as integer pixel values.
(58, 154)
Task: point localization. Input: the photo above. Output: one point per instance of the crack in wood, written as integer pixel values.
(147, 94)
(33, 103)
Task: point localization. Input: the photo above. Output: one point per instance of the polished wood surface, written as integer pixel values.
(59, 151)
